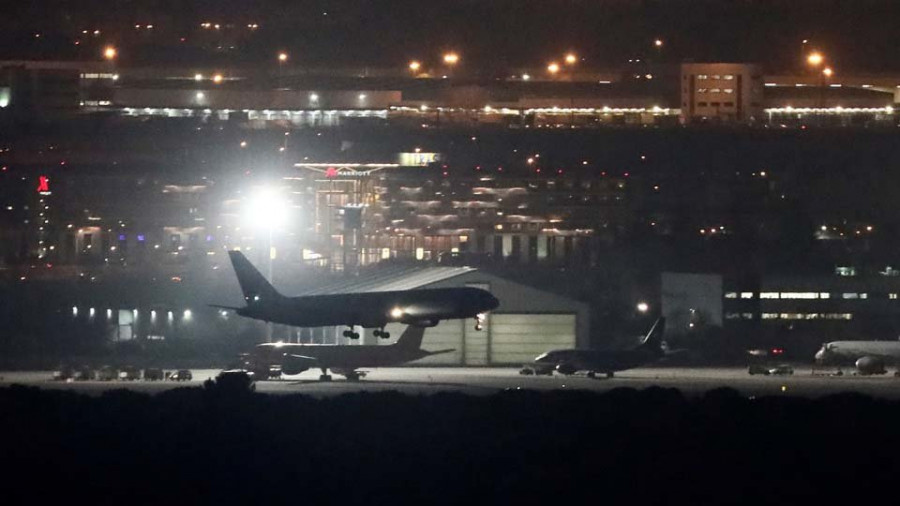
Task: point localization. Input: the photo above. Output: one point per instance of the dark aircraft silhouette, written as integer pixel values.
(606, 362)
(341, 359)
(419, 308)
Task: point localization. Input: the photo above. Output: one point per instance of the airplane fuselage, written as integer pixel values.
(837, 351)
(423, 307)
(331, 356)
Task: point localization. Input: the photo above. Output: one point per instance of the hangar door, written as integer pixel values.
(518, 338)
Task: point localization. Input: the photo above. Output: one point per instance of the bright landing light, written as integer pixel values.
(266, 208)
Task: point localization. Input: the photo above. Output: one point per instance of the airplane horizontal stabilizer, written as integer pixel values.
(438, 352)
(219, 306)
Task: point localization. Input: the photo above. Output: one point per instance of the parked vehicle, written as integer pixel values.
(181, 375)
(153, 374)
(107, 373)
(781, 369)
(129, 373)
(758, 369)
(84, 373)
(64, 373)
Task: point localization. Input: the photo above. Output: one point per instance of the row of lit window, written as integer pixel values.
(170, 316)
(715, 104)
(703, 77)
(802, 295)
(715, 90)
(791, 316)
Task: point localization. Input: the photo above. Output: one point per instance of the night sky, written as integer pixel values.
(857, 35)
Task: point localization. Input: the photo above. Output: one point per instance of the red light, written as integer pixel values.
(560, 171)
(331, 172)
(43, 184)
(603, 173)
(626, 174)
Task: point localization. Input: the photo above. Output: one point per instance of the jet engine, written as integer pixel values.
(295, 364)
(564, 368)
(870, 365)
(422, 323)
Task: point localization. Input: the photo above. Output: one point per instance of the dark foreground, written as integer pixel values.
(230, 446)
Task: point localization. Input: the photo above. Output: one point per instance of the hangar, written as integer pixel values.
(528, 322)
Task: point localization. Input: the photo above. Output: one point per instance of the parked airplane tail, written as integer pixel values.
(654, 339)
(253, 284)
(411, 338)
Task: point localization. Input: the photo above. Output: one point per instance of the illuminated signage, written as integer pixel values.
(417, 159)
(43, 185)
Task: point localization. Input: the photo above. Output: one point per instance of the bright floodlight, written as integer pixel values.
(571, 58)
(414, 66)
(110, 53)
(451, 58)
(827, 72)
(815, 59)
(553, 68)
(266, 208)
(643, 307)
(282, 57)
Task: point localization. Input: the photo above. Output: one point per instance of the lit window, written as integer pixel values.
(850, 295)
(769, 316)
(728, 77)
(746, 295)
(728, 90)
(715, 90)
(824, 295)
(892, 296)
(702, 90)
(732, 316)
(731, 295)
(747, 316)
(702, 76)
(799, 295)
(863, 296)
(716, 76)
(768, 295)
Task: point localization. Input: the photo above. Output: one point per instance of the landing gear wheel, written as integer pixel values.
(325, 377)
(348, 334)
(382, 334)
(354, 335)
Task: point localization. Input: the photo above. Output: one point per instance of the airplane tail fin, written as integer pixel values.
(411, 338)
(253, 284)
(653, 341)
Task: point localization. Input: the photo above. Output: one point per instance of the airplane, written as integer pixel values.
(869, 357)
(419, 307)
(341, 359)
(570, 361)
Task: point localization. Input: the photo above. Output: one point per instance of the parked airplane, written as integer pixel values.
(341, 359)
(420, 307)
(605, 361)
(870, 357)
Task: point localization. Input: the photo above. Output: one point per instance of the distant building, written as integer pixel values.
(721, 93)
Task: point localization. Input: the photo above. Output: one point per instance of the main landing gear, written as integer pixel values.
(381, 333)
(350, 334)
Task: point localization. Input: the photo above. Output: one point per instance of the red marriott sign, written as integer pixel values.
(43, 185)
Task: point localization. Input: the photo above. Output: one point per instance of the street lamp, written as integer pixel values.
(414, 66)
(282, 57)
(643, 307)
(571, 59)
(658, 43)
(451, 58)
(110, 53)
(827, 72)
(553, 68)
(815, 59)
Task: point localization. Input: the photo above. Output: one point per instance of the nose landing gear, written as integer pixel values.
(479, 321)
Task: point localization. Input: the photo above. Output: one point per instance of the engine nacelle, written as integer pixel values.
(565, 368)
(870, 365)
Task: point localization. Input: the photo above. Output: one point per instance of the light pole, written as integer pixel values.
(267, 209)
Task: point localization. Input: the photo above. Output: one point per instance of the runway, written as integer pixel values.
(485, 381)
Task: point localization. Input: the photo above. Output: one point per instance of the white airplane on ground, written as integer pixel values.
(870, 357)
